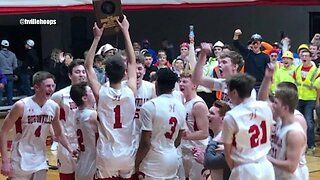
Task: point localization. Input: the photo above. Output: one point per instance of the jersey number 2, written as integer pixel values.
(117, 121)
(173, 122)
(255, 140)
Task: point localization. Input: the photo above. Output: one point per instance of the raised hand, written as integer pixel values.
(237, 32)
(206, 48)
(270, 70)
(124, 25)
(97, 32)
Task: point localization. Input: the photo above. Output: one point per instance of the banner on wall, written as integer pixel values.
(36, 6)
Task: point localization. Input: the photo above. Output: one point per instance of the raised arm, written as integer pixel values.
(243, 50)
(88, 64)
(197, 76)
(9, 121)
(264, 90)
(132, 65)
(192, 56)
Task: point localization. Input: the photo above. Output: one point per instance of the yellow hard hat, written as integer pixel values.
(302, 46)
(287, 54)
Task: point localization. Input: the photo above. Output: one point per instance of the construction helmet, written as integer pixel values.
(302, 46)
(287, 54)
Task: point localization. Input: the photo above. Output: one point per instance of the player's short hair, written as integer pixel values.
(77, 91)
(115, 68)
(288, 85)
(186, 74)
(166, 79)
(74, 63)
(235, 58)
(242, 83)
(288, 97)
(140, 59)
(40, 76)
(222, 106)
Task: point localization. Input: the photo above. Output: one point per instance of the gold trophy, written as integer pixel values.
(107, 13)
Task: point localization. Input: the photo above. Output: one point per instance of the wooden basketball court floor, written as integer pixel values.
(312, 161)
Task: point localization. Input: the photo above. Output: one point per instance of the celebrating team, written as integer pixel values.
(132, 129)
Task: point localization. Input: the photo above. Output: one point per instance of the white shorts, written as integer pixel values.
(107, 173)
(115, 167)
(66, 162)
(42, 174)
(192, 168)
(262, 170)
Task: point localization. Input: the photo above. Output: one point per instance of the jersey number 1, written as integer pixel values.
(255, 140)
(172, 121)
(117, 121)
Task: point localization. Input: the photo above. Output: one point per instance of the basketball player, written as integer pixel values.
(87, 131)
(231, 63)
(145, 92)
(116, 109)
(289, 141)
(298, 117)
(163, 122)
(247, 131)
(66, 162)
(32, 117)
(197, 132)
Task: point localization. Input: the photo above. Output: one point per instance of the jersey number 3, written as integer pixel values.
(255, 131)
(173, 122)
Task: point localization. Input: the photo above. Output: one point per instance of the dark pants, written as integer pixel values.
(25, 84)
(306, 108)
(8, 90)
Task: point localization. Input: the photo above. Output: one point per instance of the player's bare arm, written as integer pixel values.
(228, 133)
(227, 154)
(61, 138)
(295, 142)
(197, 76)
(88, 63)
(144, 147)
(199, 112)
(132, 65)
(15, 113)
(177, 142)
(264, 90)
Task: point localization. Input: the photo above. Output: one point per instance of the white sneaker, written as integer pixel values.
(54, 146)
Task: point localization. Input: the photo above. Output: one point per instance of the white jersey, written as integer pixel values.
(248, 128)
(29, 144)
(164, 116)
(279, 149)
(144, 93)
(86, 164)
(116, 108)
(192, 125)
(68, 124)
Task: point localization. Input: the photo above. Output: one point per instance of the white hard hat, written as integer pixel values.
(5, 43)
(30, 42)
